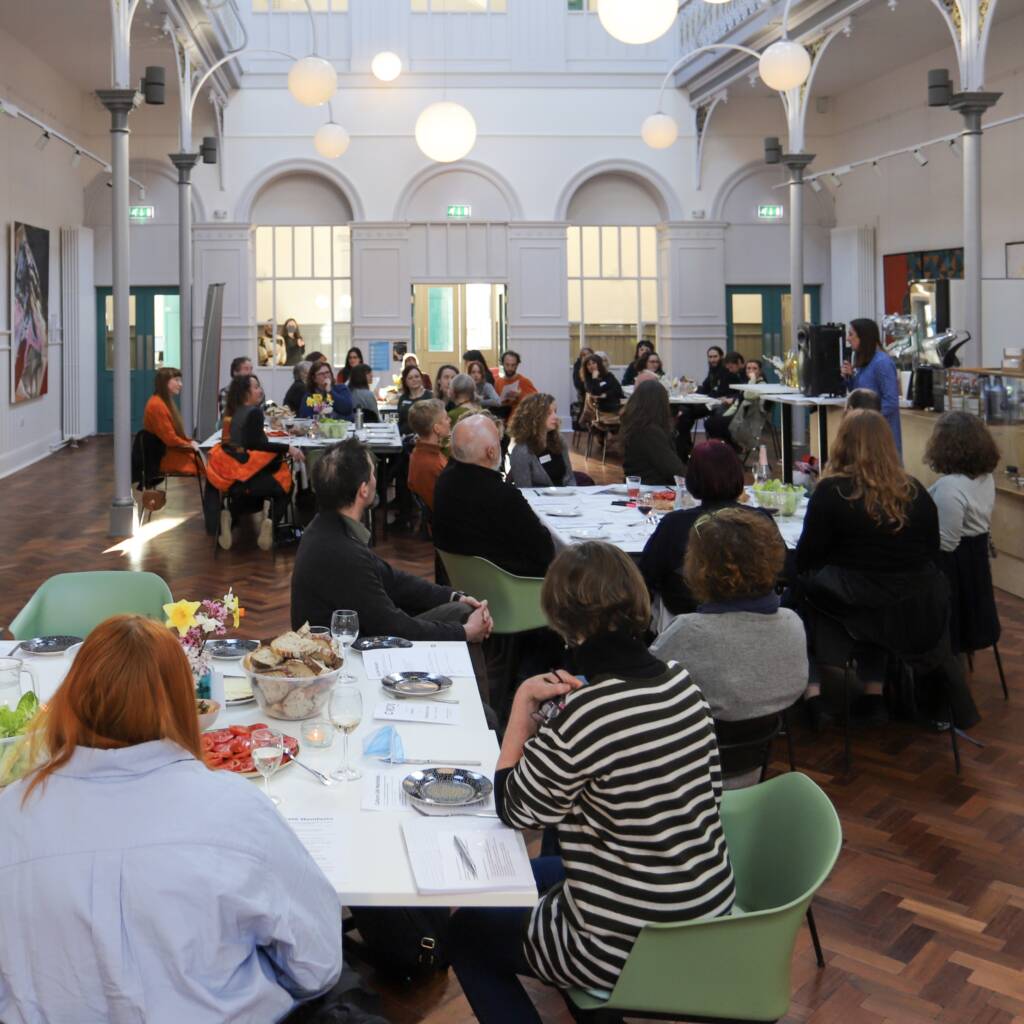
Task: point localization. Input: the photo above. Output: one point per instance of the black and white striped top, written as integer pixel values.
(629, 772)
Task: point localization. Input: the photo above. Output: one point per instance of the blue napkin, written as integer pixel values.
(385, 742)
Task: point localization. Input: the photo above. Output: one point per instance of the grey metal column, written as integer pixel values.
(796, 162)
(120, 103)
(185, 162)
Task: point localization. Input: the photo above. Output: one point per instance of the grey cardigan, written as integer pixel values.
(487, 396)
(747, 664)
(526, 470)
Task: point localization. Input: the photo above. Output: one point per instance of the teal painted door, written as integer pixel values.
(154, 341)
(758, 319)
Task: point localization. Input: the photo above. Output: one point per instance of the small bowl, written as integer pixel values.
(208, 717)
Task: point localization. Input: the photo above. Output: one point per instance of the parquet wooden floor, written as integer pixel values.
(922, 919)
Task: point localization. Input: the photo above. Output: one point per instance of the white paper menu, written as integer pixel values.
(451, 660)
(429, 712)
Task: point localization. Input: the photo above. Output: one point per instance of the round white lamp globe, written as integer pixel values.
(445, 131)
(331, 140)
(784, 65)
(312, 81)
(659, 131)
(386, 66)
(636, 21)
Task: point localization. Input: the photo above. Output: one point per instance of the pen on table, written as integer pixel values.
(464, 854)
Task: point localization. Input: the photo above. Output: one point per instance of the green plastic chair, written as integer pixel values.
(75, 603)
(784, 837)
(513, 601)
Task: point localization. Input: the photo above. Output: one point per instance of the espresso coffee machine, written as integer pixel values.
(821, 358)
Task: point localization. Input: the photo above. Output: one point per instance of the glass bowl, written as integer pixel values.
(292, 698)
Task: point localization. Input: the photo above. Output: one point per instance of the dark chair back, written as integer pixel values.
(147, 452)
(746, 745)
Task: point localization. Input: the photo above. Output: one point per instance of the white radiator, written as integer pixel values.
(78, 317)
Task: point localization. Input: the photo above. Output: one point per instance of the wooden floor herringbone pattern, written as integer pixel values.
(922, 919)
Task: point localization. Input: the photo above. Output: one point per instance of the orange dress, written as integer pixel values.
(526, 387)
(179, 457)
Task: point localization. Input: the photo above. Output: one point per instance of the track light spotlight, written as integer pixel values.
(815, 184)
(76, 158)
(954, 147)
(43, 141)
(920, 157)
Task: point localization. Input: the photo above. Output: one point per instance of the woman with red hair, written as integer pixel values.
(162, 419)
(136, 884)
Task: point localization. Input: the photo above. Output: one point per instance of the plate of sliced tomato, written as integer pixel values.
(230, 749)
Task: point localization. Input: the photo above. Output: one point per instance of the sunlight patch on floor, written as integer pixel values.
(134, 546)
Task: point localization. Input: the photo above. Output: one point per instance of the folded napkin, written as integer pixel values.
(385, 742)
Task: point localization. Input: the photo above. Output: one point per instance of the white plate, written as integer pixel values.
(589, 534)
(567, 513)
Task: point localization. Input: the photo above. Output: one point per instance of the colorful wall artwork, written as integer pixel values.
(902, 267)
(30, 292)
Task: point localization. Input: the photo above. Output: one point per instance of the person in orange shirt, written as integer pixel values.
(512, 386)
(162, 419)
(432, 427)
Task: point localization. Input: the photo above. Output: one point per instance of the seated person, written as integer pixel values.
(110, 846)
(295, 396)
(741, 421)
(651, 363)
(241, 366)
(628, 773)
(539, 456)
(410, 359)
(353, 358)
(335, 568)
(463, 398)
(747, 655)
(715, 478)
(163, 420)
(717, 384)
(601, 385)
(649, 450)
(511, 385)
(486, 396)
(578, 383)
(477, 513)
(323, 394)
(247, 465)
(362, 395)
(430, 423)
(445, 375)
(863, 398)
(413, 389)
(643, 349)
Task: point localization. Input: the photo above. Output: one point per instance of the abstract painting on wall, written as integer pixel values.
(30, 291)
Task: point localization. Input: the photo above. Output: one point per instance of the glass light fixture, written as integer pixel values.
(312, 81)
(445, 131)
(331, 140)
(637, 21)
(659, 130)
(386, 66)
(784, 65)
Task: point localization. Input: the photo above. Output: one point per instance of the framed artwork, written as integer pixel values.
(30, 293)
(1015, 259)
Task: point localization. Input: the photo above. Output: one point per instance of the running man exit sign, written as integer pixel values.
(459, 211)
(768, 211)
(141, 214)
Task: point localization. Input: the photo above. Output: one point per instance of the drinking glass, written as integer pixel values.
(632, 488)
(645, 502)
(346, 712)
(760, 473)
(267, 751)
(344, 629)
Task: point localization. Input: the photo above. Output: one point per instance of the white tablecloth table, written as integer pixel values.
(675, 398)
(375, 868)
(378, 437)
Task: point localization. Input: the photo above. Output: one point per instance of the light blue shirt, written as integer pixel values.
(880, 376)
(139, 887)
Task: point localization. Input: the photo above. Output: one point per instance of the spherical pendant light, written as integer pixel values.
(784, 65)
(659, 131)
(331, 140)
(636, 21)
(386, 66)
(312, 81)
(445, 131)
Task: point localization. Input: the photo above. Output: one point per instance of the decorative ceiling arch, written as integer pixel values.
(146, 170)
(319, 168)
(657, 186)
(467, 166)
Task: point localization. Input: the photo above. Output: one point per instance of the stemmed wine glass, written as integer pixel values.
(346, 712)
(345, 629)
(267, 751)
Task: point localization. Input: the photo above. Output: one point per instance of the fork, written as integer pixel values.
(325, 780)
(451, 814)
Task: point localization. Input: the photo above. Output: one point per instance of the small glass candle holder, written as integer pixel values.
(317, 733)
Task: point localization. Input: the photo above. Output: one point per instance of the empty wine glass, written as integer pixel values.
(267, 746)
(344, 629)
(346, 712)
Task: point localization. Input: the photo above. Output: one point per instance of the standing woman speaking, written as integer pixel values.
(874, 370)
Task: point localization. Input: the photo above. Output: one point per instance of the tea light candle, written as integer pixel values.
(316, 733)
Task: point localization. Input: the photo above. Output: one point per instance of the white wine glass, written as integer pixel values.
(346, 712)
(345, 630)
(267, 746)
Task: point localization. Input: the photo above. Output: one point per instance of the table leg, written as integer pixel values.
(823, 434)
(787, 442)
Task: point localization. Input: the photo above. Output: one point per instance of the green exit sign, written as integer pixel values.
(459, 211)
(141, 214)
(767, 211)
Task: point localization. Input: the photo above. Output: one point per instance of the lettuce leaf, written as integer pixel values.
(14, 723)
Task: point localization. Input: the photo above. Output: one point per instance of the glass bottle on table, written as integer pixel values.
(761, 471)
(344, 630)
(346, 712)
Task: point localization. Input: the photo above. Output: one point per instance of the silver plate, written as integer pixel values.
(49, 646)
(379, 643)
(231, 648)
(447, 787)
(416, 684)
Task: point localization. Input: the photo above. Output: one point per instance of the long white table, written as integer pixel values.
(375, 868)
(378, 437)
(624, 527)
(676, 398)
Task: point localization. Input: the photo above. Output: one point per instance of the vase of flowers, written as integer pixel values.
(319, 405)
(196, 622)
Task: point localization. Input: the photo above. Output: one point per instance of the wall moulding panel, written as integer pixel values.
(458, 252)
(380, 280)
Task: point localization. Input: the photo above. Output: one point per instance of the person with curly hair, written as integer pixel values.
(539, 456)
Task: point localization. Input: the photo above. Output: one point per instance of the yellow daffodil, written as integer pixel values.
(234, 608)
(181, 615)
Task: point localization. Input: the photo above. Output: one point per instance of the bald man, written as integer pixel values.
(477, 513)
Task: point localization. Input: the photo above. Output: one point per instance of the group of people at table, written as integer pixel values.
(123, 806)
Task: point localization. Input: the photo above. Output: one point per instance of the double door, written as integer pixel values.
(759, 319)
(154, 333)
(450, 319)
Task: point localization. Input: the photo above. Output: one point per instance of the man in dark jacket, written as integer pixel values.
(334, 567)
(477, 513)
(717, 384)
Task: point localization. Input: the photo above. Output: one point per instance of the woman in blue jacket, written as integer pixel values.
(874, 370)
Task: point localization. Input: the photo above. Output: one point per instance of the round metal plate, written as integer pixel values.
(379, 643)
(231, 648)
(416, 684)
(447, 787)
(48, 646)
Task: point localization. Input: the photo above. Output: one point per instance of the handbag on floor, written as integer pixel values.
(404, 942)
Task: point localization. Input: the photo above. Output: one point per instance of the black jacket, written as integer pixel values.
(477, 513)
(607, 391)
(717, 383)
(335, 569)
(651, 455)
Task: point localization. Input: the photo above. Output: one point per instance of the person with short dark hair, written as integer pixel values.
(647, 438)
(353, 358)
(323, 392)
(511, 385)
(241, 366)
(413, 389)
(628, 773)
(874, 369)
(430, 423)
(715, 478)
(717, 384)
(638, 362)
(863, 398)
(335, 567)
(601, 384)
(362, 395)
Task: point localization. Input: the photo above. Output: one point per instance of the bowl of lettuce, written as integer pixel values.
(17, 754)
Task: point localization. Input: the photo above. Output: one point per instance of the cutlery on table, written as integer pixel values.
(412, 696)
(428, 760)
(324, 780)
(453, 813)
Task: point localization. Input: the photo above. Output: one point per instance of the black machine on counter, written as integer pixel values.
(822, 351)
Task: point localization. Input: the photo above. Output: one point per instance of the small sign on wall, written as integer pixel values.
(141, 214)
(459, 211)
(770, 211)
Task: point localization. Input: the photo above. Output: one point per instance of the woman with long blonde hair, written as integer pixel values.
(136, 883)
(539, 455)
(868, 580)
(162, 419)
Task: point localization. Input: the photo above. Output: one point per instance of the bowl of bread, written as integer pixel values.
(292, 676)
